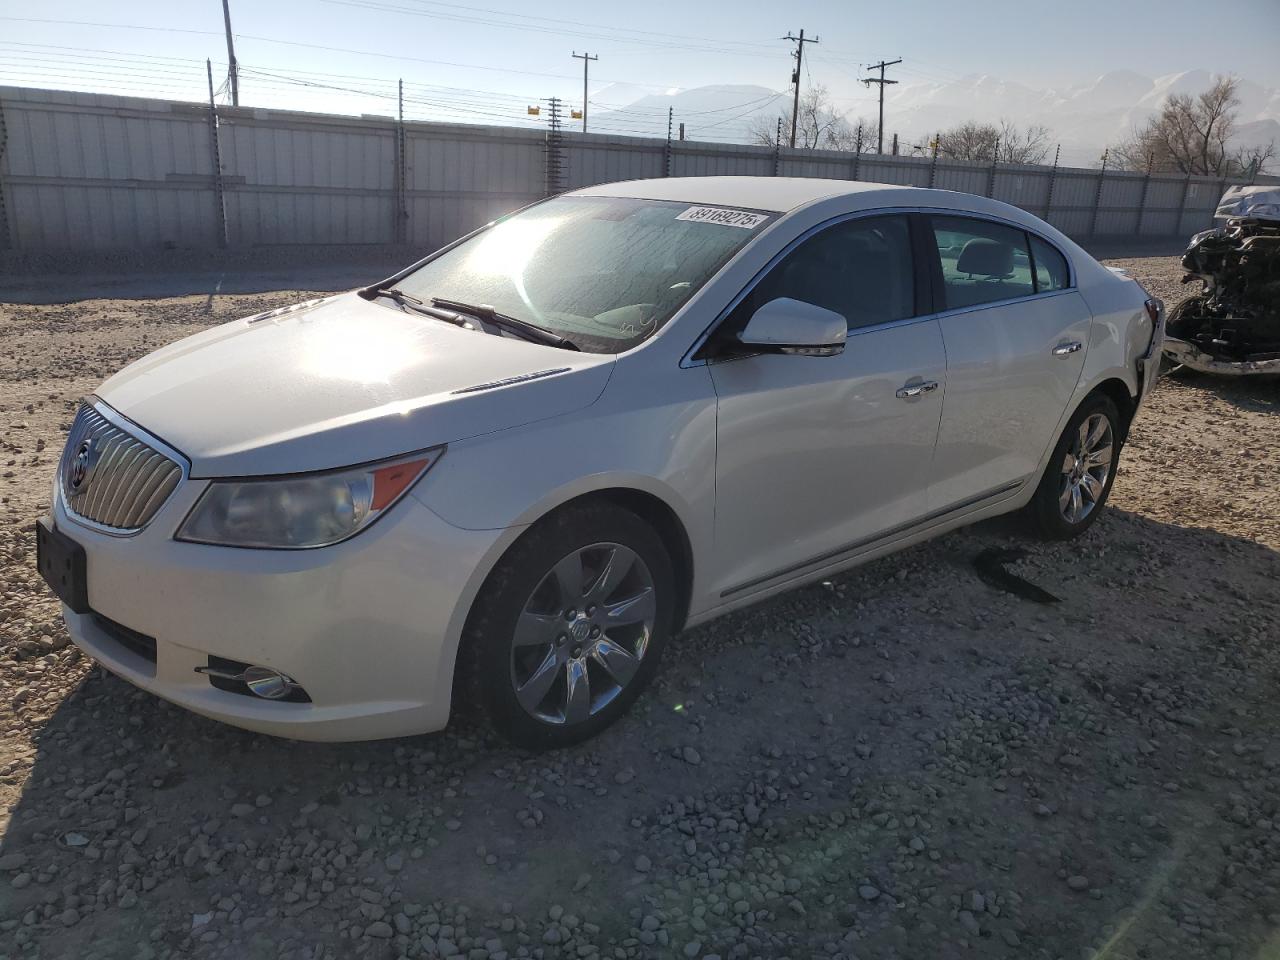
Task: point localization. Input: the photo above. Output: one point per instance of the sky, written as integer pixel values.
(486, 63)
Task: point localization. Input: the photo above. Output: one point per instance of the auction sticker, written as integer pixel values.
(724, 217)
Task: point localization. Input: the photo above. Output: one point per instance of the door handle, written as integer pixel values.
(1063, 349)
(916, 390)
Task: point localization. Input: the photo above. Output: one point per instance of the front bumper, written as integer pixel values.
(1189, 355)
(369, 627)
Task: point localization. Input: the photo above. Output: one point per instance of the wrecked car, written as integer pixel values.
(1232, 326)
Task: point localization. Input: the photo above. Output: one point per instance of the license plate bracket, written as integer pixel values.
(61, 561)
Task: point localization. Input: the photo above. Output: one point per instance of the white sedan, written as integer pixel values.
(513, 471)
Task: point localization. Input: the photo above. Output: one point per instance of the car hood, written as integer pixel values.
(342, 381)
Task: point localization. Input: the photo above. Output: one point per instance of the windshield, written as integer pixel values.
(604, 272)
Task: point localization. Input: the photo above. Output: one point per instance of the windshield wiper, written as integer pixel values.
(418, 306)
(486, 313)
(394, 293)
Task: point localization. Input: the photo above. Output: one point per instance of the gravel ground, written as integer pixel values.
(901, 762)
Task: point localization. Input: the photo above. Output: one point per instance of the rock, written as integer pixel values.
(970, 923)
(379, 929)
(1078, 882)
(12, 861)
(643, 864)
(976, 902)
(242, 809)
(693, 948)
(691, 756)
(394, 862)
(69, 917)
(868, 893)
(624, 776)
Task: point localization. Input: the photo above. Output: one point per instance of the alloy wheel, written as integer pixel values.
(1086, 468)
(583, 633)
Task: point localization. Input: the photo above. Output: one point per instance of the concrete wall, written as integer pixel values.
(96, 172)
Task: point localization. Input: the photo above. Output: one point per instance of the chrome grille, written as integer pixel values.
(112, 478)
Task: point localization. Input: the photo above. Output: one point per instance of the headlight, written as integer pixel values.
(302, 511)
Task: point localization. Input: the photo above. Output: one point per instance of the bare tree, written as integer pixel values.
(1191, 134)
(1005, 142)
(819, 127)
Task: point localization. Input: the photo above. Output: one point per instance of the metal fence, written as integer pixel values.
(96, 172)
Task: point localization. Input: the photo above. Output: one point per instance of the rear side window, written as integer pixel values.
(1051, 267)
(981, 261)
(861, 269)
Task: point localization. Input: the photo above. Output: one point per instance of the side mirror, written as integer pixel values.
(795, 327)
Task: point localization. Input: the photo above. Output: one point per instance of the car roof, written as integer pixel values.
(787, 194)
(779, 194)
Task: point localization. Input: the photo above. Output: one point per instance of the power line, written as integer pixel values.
(578, 23)
(381, 55)
(540, 25)
(121, 26)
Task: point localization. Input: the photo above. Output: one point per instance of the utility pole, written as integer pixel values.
(799, 41)
(233, 68)
(401, 232)
(881, 81)
(586, 59)
(216, 157)
(666, 154)
(554, 182)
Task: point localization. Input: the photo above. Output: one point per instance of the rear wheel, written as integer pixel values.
(568, 629)
(1080, 472)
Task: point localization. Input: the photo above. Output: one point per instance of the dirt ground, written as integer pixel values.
(902, 762)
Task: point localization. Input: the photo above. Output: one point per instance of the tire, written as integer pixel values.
(526, 598)
(1052, 506)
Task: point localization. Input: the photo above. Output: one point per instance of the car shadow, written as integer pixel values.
(1256, 394)
(848, 760)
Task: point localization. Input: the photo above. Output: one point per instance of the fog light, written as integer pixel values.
(267, 683)
(248, 680)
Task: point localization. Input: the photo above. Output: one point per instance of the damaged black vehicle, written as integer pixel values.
(1232, 326)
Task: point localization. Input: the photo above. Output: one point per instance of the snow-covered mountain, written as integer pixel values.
(718, 112)
(1083, 118)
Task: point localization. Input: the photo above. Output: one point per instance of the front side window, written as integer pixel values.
(981, 261)
(861, 269)
(604, 272)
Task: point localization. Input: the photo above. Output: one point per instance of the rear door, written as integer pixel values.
(818, 455)
(1016, 332)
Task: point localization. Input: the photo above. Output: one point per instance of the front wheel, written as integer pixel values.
(568, 628)
(1078, 477)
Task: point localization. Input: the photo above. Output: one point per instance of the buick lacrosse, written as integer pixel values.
(510, 473)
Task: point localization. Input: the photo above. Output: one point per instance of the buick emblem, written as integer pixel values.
(81, 465)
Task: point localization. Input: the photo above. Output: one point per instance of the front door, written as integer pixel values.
(819, 455)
